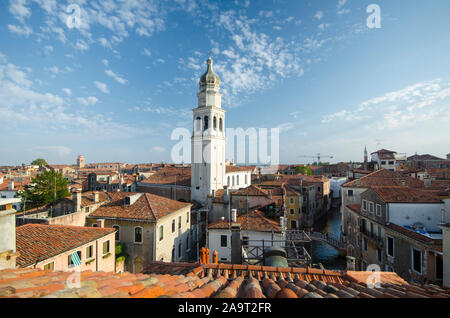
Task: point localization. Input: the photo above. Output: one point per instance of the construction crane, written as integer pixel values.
(318, 159)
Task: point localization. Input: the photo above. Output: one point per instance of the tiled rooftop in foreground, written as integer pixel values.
(187, 280)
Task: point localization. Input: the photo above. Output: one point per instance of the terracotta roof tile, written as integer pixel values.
(36, 242)
(253, 220)
(316, 284)
(148, 207)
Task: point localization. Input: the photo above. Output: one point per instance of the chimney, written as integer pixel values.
(226, 195)
(351, 263)
(76, 198)
(8, 252)
(11, 186)
(96, 199)
(234, 215)
(236, 244)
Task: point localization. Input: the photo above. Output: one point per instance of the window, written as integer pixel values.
(117, 228)
(161, 233)
(138, 235)
(187, 244)
(198, 124)
(417, 260)
(291, 211)
(179, 222)
(378, 255)
(173, 226)
(246, 179)
(378, 210)
(228, 183)
(50, 266)
(187, 217)
(223, 241)
(371, 229)
(293, 224)
(365, 244)
(89, 251)
(350, 193)
(391, 162)
(179, 250)
(371, 210)
(220, 124)
(206, 123)
(233, 181)
(237, 180)
(383, 162)
(74, 259)
(106, 247)
(215, 123)
(390, 246)
(245, 240)
(292, 200)
(364, 206)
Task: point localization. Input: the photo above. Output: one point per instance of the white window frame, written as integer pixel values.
(134, 235)
(376, 209)
(364, 205)
(371, 208)
(412, 260)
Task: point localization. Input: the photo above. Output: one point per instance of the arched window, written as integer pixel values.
(220, 124)
(117, 228)
(206, 123)
(215, 123)
(228, 183)
(198, 124)
(237, 180)
(138, 234)
(246, 179)
(233, 181)
(161, 233)
(173, 225)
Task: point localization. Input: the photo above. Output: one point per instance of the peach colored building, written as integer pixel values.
(65, 248)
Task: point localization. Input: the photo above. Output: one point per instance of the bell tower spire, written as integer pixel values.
(208, 138)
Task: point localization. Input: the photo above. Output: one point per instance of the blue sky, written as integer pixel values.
(115, 88)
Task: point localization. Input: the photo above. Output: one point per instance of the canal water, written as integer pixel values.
(323, 253)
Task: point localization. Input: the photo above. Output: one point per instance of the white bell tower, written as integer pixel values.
(208, 138)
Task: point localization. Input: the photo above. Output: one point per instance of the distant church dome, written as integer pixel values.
(209, 77)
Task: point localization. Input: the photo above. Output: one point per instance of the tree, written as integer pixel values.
(303, 170)
(39, 162)
(44, 189)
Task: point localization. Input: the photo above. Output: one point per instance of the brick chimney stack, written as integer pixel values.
(76, 198)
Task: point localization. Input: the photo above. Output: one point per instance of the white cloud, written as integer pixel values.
(19, 9)
(102, 87)
(105, 62)
(116, 77)
(159, 149)
(285, 127)
(146, 52)
(89, 101)
(61, 151)
(24, 30)
(81, 45)
(67, 91)
(319, 15)
(418, 103)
